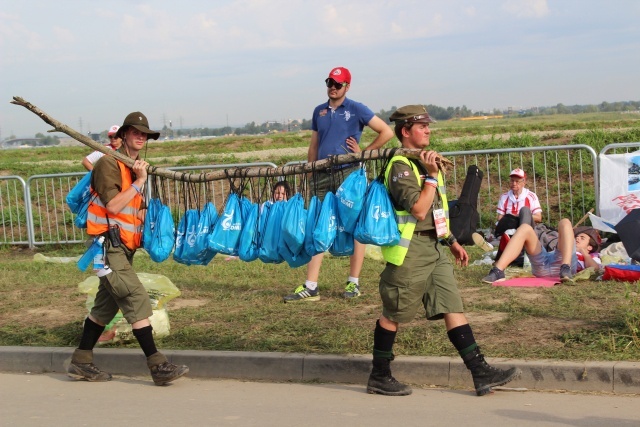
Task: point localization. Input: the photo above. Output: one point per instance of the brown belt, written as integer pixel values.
(430, 233)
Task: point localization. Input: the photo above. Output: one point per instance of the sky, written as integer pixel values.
(211, 63)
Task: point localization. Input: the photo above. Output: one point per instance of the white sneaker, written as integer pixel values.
(481, 243)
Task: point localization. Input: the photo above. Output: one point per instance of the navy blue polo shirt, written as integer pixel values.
(335, 126)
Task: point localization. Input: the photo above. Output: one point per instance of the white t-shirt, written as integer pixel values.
(93, 157)
(510, 204)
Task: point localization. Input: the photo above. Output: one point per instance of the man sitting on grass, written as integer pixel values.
(572, 254)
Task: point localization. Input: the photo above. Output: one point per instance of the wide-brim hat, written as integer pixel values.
(140, 122)
(411, 114)
(594, 237)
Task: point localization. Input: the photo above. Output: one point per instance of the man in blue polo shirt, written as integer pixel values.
(336, 129)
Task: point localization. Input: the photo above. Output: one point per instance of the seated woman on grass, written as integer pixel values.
(572, 254)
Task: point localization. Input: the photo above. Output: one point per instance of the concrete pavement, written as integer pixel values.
(55, 400)
(607, 377)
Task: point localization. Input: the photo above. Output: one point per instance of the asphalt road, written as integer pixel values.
(55, 400)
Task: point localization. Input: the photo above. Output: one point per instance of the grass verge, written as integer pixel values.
(232, 305)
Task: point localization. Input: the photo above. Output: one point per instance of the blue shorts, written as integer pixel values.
(547, 264)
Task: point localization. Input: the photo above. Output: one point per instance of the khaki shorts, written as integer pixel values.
(425, 278)
(330, 181)
(121, 290)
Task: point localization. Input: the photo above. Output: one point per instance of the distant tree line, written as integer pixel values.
(435, 111)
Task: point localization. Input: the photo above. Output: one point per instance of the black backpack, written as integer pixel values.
(464, 218)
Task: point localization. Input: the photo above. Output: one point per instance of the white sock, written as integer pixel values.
(312, 286)
(353, 279)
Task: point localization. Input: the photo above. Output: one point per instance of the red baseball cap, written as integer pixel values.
(340, 75)
(519, 173)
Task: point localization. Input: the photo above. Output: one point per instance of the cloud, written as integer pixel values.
(527, 8)
(63, 35)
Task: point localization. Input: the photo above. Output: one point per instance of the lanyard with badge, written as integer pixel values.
(439, 217)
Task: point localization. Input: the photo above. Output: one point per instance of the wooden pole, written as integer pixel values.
(584, 218)
(319, 165)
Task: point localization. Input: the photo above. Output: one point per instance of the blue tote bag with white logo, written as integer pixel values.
(326, 227)
(186, 251)
(164, 234)
(248, 248)
(206, 223)
(226, 233)
(377, 223)
(270, 236)
(350, 197)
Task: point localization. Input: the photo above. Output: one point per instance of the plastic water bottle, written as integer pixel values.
(95, 249)
(526, 263)
(98, 260)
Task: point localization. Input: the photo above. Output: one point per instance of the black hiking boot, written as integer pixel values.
(82, 367)
(486, 376)
(382, 382)
(166, 372)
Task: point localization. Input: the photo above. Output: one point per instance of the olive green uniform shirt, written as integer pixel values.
(405, 191)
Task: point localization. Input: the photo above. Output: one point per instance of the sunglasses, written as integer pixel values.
(334, 84)
(113, 137)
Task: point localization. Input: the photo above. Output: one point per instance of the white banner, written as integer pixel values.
(600, 224)
(619, 185)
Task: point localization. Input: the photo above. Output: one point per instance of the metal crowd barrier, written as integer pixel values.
(565, 179)
(14, 212)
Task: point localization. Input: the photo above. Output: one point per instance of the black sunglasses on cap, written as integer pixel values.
(334, 84)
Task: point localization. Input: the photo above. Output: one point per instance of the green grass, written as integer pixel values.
(242, 309)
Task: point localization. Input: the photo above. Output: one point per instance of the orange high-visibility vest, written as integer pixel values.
(127, 219)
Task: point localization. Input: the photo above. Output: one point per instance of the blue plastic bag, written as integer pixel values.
(294, 221)
(206, 223)
(327, 225)
(226, 233)
(150, 219)
(271, 232)
(164, 234)
(186, 251)
(343, 243)
(350, 197)
(81, 218)
(248, 248)
(294, 260)
(313, 211)
(80, 194)
(377, 223)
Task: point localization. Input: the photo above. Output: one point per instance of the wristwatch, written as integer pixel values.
(449, 241)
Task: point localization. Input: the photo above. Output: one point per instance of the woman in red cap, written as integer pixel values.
(114, 143)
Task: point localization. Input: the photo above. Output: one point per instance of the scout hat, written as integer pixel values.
(411, 114)
(594, 236)
(140, 122)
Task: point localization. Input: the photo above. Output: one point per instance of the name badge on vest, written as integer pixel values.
(440, 221)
